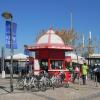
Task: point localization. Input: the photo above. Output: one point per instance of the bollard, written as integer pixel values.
(3, 74)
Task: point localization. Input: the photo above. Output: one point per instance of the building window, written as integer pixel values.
(56, 64)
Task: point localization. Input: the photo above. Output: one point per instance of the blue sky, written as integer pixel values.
(32, 16)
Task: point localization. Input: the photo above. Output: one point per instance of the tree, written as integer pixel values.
(68, 36)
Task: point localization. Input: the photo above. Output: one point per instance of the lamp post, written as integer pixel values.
(2, 62)
(8, 16)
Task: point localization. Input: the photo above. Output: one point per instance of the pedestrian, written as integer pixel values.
(84, 73)
(71, 71)
(62, 76)
(76, 73)
(97, 73)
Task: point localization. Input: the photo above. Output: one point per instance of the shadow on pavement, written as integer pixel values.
(44, 96)
(8, 77)
(4, 88)
(90, 97)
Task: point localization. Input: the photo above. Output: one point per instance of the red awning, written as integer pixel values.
(34, 48)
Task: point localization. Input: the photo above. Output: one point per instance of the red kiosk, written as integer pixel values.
(49, 53)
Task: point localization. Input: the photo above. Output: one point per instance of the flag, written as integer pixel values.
(8, 34)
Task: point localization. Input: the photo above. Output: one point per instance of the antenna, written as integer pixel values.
(90, 47)
(71, 21)
(82, 40)
(90, 35)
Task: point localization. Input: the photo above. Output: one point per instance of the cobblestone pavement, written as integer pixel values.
(74, 92)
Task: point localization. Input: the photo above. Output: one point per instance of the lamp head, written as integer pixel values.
(7, 15)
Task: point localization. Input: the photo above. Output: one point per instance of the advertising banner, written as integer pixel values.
(11, 27)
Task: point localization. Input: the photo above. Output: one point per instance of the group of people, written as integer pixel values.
(81, 71)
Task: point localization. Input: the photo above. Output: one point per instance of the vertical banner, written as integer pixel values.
(11, 28)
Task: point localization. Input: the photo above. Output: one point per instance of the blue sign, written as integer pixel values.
(11, 28)
(27, 52)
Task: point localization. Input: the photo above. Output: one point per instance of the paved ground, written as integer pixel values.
(74, 92)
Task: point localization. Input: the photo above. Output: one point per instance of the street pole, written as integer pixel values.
(79, 71)
(2, 63)
(8, 16)
(11, 46)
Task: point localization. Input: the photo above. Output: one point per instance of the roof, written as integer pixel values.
(95, 56)
(34, 48)
(50, 40)
(19, 56)
(75, 58)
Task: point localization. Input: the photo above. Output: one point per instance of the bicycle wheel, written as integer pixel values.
(35, 86)
(42, 86)
(20, 84)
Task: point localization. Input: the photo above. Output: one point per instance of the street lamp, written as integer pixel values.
(8, 16)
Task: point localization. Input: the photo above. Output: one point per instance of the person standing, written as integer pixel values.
(76, 73)
(84, 73)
